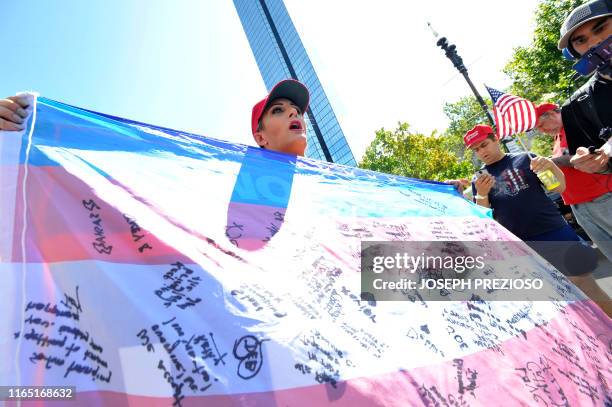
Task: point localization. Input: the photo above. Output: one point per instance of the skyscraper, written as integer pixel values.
(280, 54)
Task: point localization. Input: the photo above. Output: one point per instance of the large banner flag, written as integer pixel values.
(142, 266)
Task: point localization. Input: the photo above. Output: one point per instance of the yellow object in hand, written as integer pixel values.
(549, 179)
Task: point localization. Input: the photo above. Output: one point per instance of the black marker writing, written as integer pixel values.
(247, 350)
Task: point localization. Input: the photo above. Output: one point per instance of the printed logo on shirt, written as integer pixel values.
(510, 182)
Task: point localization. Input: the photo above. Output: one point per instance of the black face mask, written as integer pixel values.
(598, 58)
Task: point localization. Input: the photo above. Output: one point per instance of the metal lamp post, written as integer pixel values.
(450, 51)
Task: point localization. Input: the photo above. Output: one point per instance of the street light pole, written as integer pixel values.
(451, 53)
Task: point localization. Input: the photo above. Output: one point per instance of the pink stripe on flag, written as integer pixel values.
(553, 364)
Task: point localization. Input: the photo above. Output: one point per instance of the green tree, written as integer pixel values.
(463, 115)
(410, 154)
(539, 71)
(542, 144)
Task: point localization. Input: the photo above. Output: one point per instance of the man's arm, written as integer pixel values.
(587, 164)
(483, 186)
(12, 113)
(562, 161)
(539, 164)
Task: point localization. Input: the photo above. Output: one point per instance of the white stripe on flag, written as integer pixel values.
(512, 113)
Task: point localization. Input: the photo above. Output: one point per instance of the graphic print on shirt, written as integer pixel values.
(510, 182)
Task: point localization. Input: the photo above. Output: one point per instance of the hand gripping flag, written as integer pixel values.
(149, 267)
(512, 113)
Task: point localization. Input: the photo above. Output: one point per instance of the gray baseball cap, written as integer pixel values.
(580, 15)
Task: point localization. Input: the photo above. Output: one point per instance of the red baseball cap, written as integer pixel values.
(290, 89)
(544, 108)
(477, 134)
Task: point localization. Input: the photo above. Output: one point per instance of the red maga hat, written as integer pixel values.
(477, 134)
(290, 89)
(544, 108)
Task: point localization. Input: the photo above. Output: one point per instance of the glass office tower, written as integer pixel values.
(280, 55)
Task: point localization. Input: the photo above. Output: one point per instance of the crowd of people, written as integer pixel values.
(507, 183)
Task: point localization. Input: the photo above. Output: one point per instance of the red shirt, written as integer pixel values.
(581, 186)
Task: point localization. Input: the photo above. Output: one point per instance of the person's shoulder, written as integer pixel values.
(585, 89)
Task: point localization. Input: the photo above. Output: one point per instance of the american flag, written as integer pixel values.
(512, 113)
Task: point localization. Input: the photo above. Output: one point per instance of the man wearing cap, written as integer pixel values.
(589, 111)
(508, 184)
(511, 188)
(277, 121)
(589, 195)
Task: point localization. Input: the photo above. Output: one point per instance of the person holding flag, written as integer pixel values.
(512, 185)
(508, 184)
(277, 121)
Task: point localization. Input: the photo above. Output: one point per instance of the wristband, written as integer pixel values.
(478, 196)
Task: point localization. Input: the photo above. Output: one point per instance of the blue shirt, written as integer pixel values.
(518, 199)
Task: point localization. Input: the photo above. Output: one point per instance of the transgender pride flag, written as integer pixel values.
(149, 267)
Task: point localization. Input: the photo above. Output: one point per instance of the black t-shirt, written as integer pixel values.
(580, 129)
(518, 199)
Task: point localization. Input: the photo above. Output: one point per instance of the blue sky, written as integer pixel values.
(187, 64)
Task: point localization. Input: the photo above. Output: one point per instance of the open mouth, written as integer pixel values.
(295, 125)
